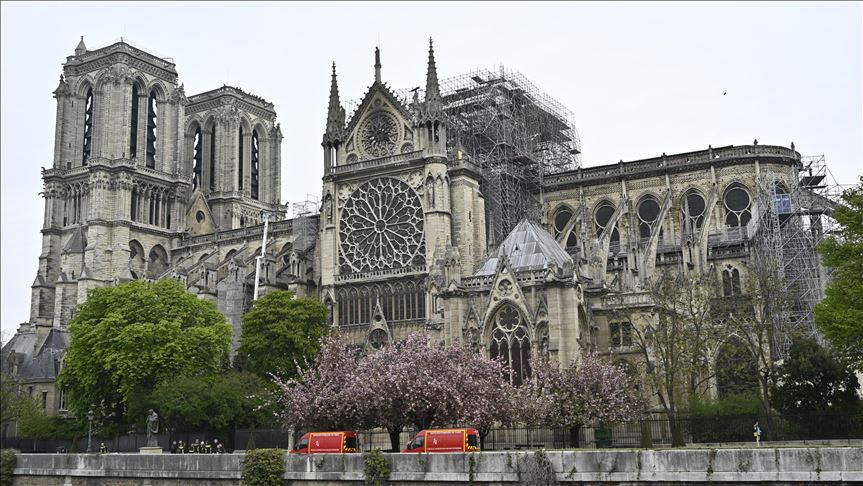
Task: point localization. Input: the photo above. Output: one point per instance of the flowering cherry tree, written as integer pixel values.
(588, 391)
(324, 394)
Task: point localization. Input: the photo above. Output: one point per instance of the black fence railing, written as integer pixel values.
(657, 428)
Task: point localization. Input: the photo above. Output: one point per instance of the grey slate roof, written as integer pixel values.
(529, 247)
(42, 364)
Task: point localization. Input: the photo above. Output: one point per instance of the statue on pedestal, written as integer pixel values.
(152, 428)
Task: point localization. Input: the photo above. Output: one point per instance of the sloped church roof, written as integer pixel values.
(529, 247)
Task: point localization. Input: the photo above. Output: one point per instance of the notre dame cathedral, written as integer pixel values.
(460, 209)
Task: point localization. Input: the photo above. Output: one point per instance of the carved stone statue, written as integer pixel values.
(152, 428)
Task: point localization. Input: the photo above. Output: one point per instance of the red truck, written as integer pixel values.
(444, 440)
(327, 443)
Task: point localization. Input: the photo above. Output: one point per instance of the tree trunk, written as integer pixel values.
(646, 436)
(676, 431)
(395, 438)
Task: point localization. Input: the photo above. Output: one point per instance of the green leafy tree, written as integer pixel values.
(812, 380)
(280, 331)
(216, 403)
(127, 339)
(840, 315)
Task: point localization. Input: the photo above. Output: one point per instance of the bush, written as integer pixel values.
(740, 404)
(7, 465)
(264, 467)
(377, 468)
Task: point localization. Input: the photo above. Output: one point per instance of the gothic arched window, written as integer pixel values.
(256, 156)
(560, 221)
(240, 171)
(737, 206)
(511, 343)
(88, 126)
(196, 159)
(602, 218)
(133, 124)
(152, 115)
(693, 211)
(648, 214)
(730, 281)
(213, 158)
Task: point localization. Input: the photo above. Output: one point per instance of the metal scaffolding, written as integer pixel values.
(303, 227)
(505, 124)
(791, 222)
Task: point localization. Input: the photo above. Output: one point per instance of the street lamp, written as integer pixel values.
(90, 430)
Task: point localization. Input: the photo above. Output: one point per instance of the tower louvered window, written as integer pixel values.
(133, 125)
(255, 161)
(152, 116)
(88, 126)
(196, 160)
(240, 171)
(213, 159)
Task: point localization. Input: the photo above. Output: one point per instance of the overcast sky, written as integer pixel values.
(641, 78)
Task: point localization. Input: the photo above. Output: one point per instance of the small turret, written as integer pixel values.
(81, 49)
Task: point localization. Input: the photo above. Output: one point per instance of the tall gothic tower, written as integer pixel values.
(386, 242)
(138, 167)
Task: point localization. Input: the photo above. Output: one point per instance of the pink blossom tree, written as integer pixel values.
(588, 391)
(324, 396)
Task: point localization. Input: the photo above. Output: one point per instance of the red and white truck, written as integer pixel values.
(444, 440)
(327, 443)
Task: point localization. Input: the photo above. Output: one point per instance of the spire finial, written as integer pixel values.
(377, 65)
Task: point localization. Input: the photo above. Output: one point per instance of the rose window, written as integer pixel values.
(379, 134)
(382, 227)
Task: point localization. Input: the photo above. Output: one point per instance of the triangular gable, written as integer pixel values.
(364, 105)
(505, 289)
(199, 218)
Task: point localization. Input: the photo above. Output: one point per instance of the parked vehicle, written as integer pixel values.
(444, 440)
(327, 443)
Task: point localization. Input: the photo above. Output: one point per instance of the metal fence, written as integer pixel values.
(657, 428)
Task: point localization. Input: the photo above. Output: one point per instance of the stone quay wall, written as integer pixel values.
(810, 465)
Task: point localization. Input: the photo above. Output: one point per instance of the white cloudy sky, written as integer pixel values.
(641, 78)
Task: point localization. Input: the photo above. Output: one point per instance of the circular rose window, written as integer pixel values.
(379, 134)
(381, 226)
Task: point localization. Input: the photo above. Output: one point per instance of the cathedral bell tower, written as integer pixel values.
(115, 166)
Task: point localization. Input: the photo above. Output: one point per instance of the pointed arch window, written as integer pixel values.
(693, 211)
(256, 156)
(560, 221)
(602, 218)
(133, 124)
(197, 161)
(648, 214)
(730, 281)
(88, 126)
(213, 158)
(152, 120)
(737, 206)
(510, 343)
(240, 171)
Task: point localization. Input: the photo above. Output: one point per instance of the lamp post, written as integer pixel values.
(90, 430)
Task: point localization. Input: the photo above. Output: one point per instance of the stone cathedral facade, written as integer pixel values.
(149, 183)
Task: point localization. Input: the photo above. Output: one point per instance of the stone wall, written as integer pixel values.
(683, 466)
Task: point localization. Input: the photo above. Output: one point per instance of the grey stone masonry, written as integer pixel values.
(812, 465)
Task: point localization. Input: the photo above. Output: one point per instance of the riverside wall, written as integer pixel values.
(793, 465)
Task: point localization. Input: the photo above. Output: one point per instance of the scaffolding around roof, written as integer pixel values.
(505, 124)
(791, 222)
(304, 228)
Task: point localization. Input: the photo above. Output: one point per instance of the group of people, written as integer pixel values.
(197, 447)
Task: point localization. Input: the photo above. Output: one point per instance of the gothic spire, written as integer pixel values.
(432, 87)
(335, 112)
(432, 107)
(377, 65)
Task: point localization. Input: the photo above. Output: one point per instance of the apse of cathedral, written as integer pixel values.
(460, 209)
